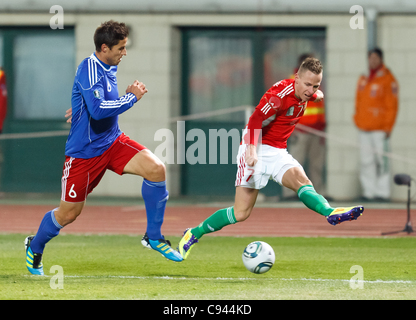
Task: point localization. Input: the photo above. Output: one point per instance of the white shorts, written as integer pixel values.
(272, 164)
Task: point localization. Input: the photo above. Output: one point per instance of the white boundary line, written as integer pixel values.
(248, 109)
(235, 279)
(43, 134)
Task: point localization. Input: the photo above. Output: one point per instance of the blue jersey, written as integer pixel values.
(95, 109)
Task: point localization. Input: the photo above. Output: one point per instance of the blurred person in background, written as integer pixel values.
(3, 98)
(3, 111)
(376, 108)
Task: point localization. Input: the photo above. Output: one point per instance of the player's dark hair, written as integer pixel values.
(311, 64)
(110, 33)
(377, 51)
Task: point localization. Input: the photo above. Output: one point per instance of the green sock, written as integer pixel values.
(314, 201)
(215, 222)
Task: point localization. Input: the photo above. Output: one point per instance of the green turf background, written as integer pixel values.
(118, 267)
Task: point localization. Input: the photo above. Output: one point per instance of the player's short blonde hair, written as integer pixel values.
(312, 64)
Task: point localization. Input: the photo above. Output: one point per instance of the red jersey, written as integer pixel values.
(276, 115)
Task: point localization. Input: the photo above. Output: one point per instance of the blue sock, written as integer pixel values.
(48, 229)
(155, 197)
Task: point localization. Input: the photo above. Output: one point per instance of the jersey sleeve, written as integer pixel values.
(267, 108)
(92, 85)
(100, 108)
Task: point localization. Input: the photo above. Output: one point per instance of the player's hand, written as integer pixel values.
(251, 155)
(320, 96)
(68, 114)
(137, 88)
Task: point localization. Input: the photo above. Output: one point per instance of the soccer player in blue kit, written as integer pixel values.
(96, 143)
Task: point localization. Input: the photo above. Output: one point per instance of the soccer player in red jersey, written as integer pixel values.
(272, 122)
(3, 98)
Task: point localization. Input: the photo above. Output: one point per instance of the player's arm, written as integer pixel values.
(100, 108)
(318, 96)
(253, 132)
(267, 108)
(251, 155)
(137, 88)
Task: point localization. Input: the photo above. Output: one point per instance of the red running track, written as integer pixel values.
(287, 222)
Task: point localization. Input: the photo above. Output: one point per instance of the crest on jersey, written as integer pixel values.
(97, 94)
(290, 111)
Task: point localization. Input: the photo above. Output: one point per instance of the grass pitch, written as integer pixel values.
(118, 267)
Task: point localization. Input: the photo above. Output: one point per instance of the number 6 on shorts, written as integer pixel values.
(72, 192)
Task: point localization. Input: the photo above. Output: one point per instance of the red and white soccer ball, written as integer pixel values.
(258, 257)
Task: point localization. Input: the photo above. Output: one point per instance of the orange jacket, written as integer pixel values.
(376, 101)
(3, 98)
(314, 115)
